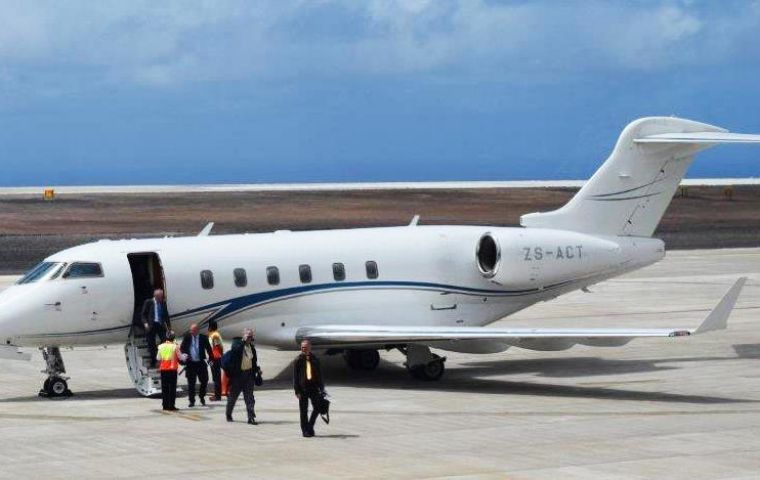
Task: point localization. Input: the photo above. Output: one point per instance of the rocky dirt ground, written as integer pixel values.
(31, 228)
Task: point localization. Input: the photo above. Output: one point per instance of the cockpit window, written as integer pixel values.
(83, 269)
(41, 271)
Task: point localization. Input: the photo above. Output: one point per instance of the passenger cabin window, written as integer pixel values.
(83, 270)
(40, 271)
(304, 271)
(273, 275)
(339, 272)
(241, 279)
(207, 279)
(371, 267)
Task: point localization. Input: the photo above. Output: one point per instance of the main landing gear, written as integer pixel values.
(361, 359)
(423, 364)
(55, 385)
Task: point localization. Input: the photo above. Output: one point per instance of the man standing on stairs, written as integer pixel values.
(169, 356)
(195, 346)
(217, 350)
(155, 317)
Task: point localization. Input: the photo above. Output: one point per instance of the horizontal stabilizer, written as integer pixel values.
(708, 138)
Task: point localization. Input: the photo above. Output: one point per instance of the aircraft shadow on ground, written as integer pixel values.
(474, 377)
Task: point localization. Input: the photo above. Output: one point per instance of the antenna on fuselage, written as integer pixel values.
(206, 230)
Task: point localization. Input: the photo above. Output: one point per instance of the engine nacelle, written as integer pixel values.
(523, 259)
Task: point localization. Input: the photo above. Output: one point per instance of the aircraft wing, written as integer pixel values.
(332, 336)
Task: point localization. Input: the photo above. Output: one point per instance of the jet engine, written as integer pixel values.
(524, 259)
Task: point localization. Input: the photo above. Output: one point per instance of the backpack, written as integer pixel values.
(227, 362)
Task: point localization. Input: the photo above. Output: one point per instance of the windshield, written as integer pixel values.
(83, 269)
(41, 271)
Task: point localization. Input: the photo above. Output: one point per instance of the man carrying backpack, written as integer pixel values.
(240, 364)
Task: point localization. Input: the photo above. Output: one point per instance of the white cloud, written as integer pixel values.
(174, 42)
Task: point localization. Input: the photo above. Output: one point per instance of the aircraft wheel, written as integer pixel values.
(362, 359)
(431, 371)
(56, 387)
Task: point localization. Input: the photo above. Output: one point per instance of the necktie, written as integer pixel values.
(308, 369)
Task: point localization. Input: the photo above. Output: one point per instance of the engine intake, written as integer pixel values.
(488, 253)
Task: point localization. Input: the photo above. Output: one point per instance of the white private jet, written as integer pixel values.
(361, 290)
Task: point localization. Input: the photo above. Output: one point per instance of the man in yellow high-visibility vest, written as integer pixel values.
(169, 357)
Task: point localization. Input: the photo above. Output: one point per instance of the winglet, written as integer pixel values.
(206, 230)
(718, 317)
(415, 221)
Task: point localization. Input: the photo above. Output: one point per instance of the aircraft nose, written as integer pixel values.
(9, 306)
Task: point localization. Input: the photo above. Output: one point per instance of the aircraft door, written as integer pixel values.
(147, 275)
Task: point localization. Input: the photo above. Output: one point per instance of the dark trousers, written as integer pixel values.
(156, 330)
(242, 382)
(307, 422)
(193, 371)
(168, 388)
(216, 375)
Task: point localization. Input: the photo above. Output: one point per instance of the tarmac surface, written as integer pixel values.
(658, 408)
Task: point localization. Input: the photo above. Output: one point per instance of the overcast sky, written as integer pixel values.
(348, 90)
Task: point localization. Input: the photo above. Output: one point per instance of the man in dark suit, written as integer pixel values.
(197, 349)
(308, 385)
(242, 371)
(155, 318)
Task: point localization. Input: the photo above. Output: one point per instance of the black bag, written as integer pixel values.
(257, 380)
(227, 362)
(323, 406)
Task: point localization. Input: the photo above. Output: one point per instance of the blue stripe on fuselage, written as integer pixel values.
(234, 305)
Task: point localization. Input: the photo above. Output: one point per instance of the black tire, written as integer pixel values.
(368, 359)
(429, 372)
(350, 358)
(56, 387)
(362, 359)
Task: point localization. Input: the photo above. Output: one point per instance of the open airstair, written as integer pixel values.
(147, 380)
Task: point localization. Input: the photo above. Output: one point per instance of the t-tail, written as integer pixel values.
(629, 193)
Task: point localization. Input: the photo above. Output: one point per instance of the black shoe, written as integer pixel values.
(308, 434)
(173, 409)
(191, 404)
(252, 421)
(229, 418)
(203, 401)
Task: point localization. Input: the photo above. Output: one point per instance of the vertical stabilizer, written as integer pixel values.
(629, 193)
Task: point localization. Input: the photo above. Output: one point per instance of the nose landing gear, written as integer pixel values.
(55, 385)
